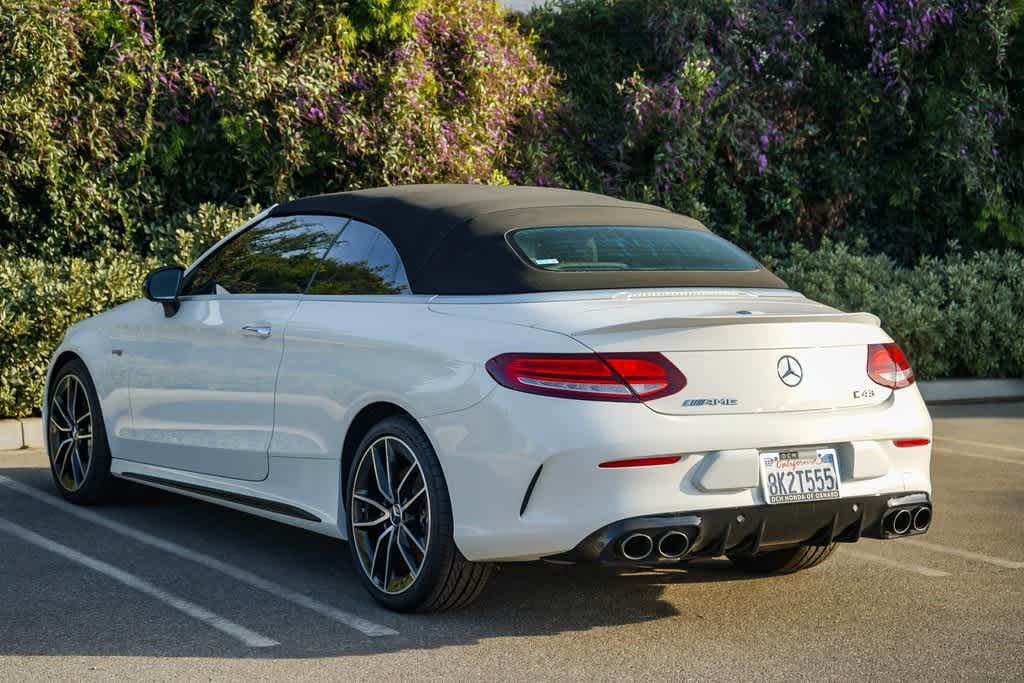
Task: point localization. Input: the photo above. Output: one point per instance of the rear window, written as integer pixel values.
(588, 248)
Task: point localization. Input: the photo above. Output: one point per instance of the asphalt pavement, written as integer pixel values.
(162, 587)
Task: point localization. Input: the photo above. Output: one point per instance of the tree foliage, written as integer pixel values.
(115, 116)
(135, 131)
(899, 121)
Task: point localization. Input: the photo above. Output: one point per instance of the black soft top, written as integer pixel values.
(452, 238)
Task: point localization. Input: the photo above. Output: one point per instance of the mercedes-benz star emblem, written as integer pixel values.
(790, 371)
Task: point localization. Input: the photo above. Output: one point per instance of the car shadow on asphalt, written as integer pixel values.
(522, 599)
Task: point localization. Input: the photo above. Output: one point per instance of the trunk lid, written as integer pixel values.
(783, 379)
(742, 351)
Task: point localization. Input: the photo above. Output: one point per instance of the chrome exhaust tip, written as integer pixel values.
(673, 544)
(636, 546)
(922, 519)
(901, 522)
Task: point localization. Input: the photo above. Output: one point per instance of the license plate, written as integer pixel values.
(799, 475)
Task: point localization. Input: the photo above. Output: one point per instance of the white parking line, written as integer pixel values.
(966, 554)
(994, 458)
(358, 623)
(984, 444)
(907, 566)
(237, 631)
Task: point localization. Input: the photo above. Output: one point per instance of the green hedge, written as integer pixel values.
(775, 122)
(116, 116)
(772, 122)
(130, 129)
(39, 299)
(956, 316)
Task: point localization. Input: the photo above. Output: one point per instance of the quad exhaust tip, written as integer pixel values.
(638, 546)
(673, 544)
(910, 520)
(922, 518)
(901, 522)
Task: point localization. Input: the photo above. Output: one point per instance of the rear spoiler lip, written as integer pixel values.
(692, 322)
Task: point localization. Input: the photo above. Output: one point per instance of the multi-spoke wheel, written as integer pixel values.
(390, 514)
(77, 444)
(400, 523)
(70, 427)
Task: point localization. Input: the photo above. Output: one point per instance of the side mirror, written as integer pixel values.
(162, 286)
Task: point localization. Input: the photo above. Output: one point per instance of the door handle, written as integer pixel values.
(261, 331)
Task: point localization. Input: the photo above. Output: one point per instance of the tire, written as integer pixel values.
(445, 579)
(784, 561)
(79, 453)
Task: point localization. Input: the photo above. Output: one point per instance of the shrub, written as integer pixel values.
(292, 103)
(775, 122)
(134, 132)
(74, 126)
(958, 316)
(184, 237)
(39, 300)
(117, 116)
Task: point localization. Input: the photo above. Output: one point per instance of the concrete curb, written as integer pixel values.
(972, 390)
(935, 392)
(10, 433)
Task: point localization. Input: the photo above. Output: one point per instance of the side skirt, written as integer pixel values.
(273, 506)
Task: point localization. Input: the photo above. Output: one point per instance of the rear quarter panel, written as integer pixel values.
(344, 353)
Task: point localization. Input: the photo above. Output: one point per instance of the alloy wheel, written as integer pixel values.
(390, 514)
(70, 433)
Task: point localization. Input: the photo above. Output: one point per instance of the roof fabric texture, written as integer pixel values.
(452, 238)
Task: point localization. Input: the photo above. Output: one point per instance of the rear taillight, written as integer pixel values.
(888, 366)
(589, 376)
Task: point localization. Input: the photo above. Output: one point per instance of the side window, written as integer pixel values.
(362, 261)
(275, 256)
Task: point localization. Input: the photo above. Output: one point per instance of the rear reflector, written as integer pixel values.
(908, 443)
(643, 462)
(888, 366)
(626, 377)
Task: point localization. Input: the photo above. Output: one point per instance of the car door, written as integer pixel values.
(342, 342)
(203, 379)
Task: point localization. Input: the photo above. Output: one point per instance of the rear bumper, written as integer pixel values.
(758, 528)
(491, 454)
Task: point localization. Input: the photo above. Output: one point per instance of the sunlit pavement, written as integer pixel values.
(163, 587)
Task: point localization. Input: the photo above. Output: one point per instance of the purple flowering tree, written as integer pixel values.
(896, 121)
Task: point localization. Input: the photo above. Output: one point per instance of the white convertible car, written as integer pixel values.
(452, 376)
